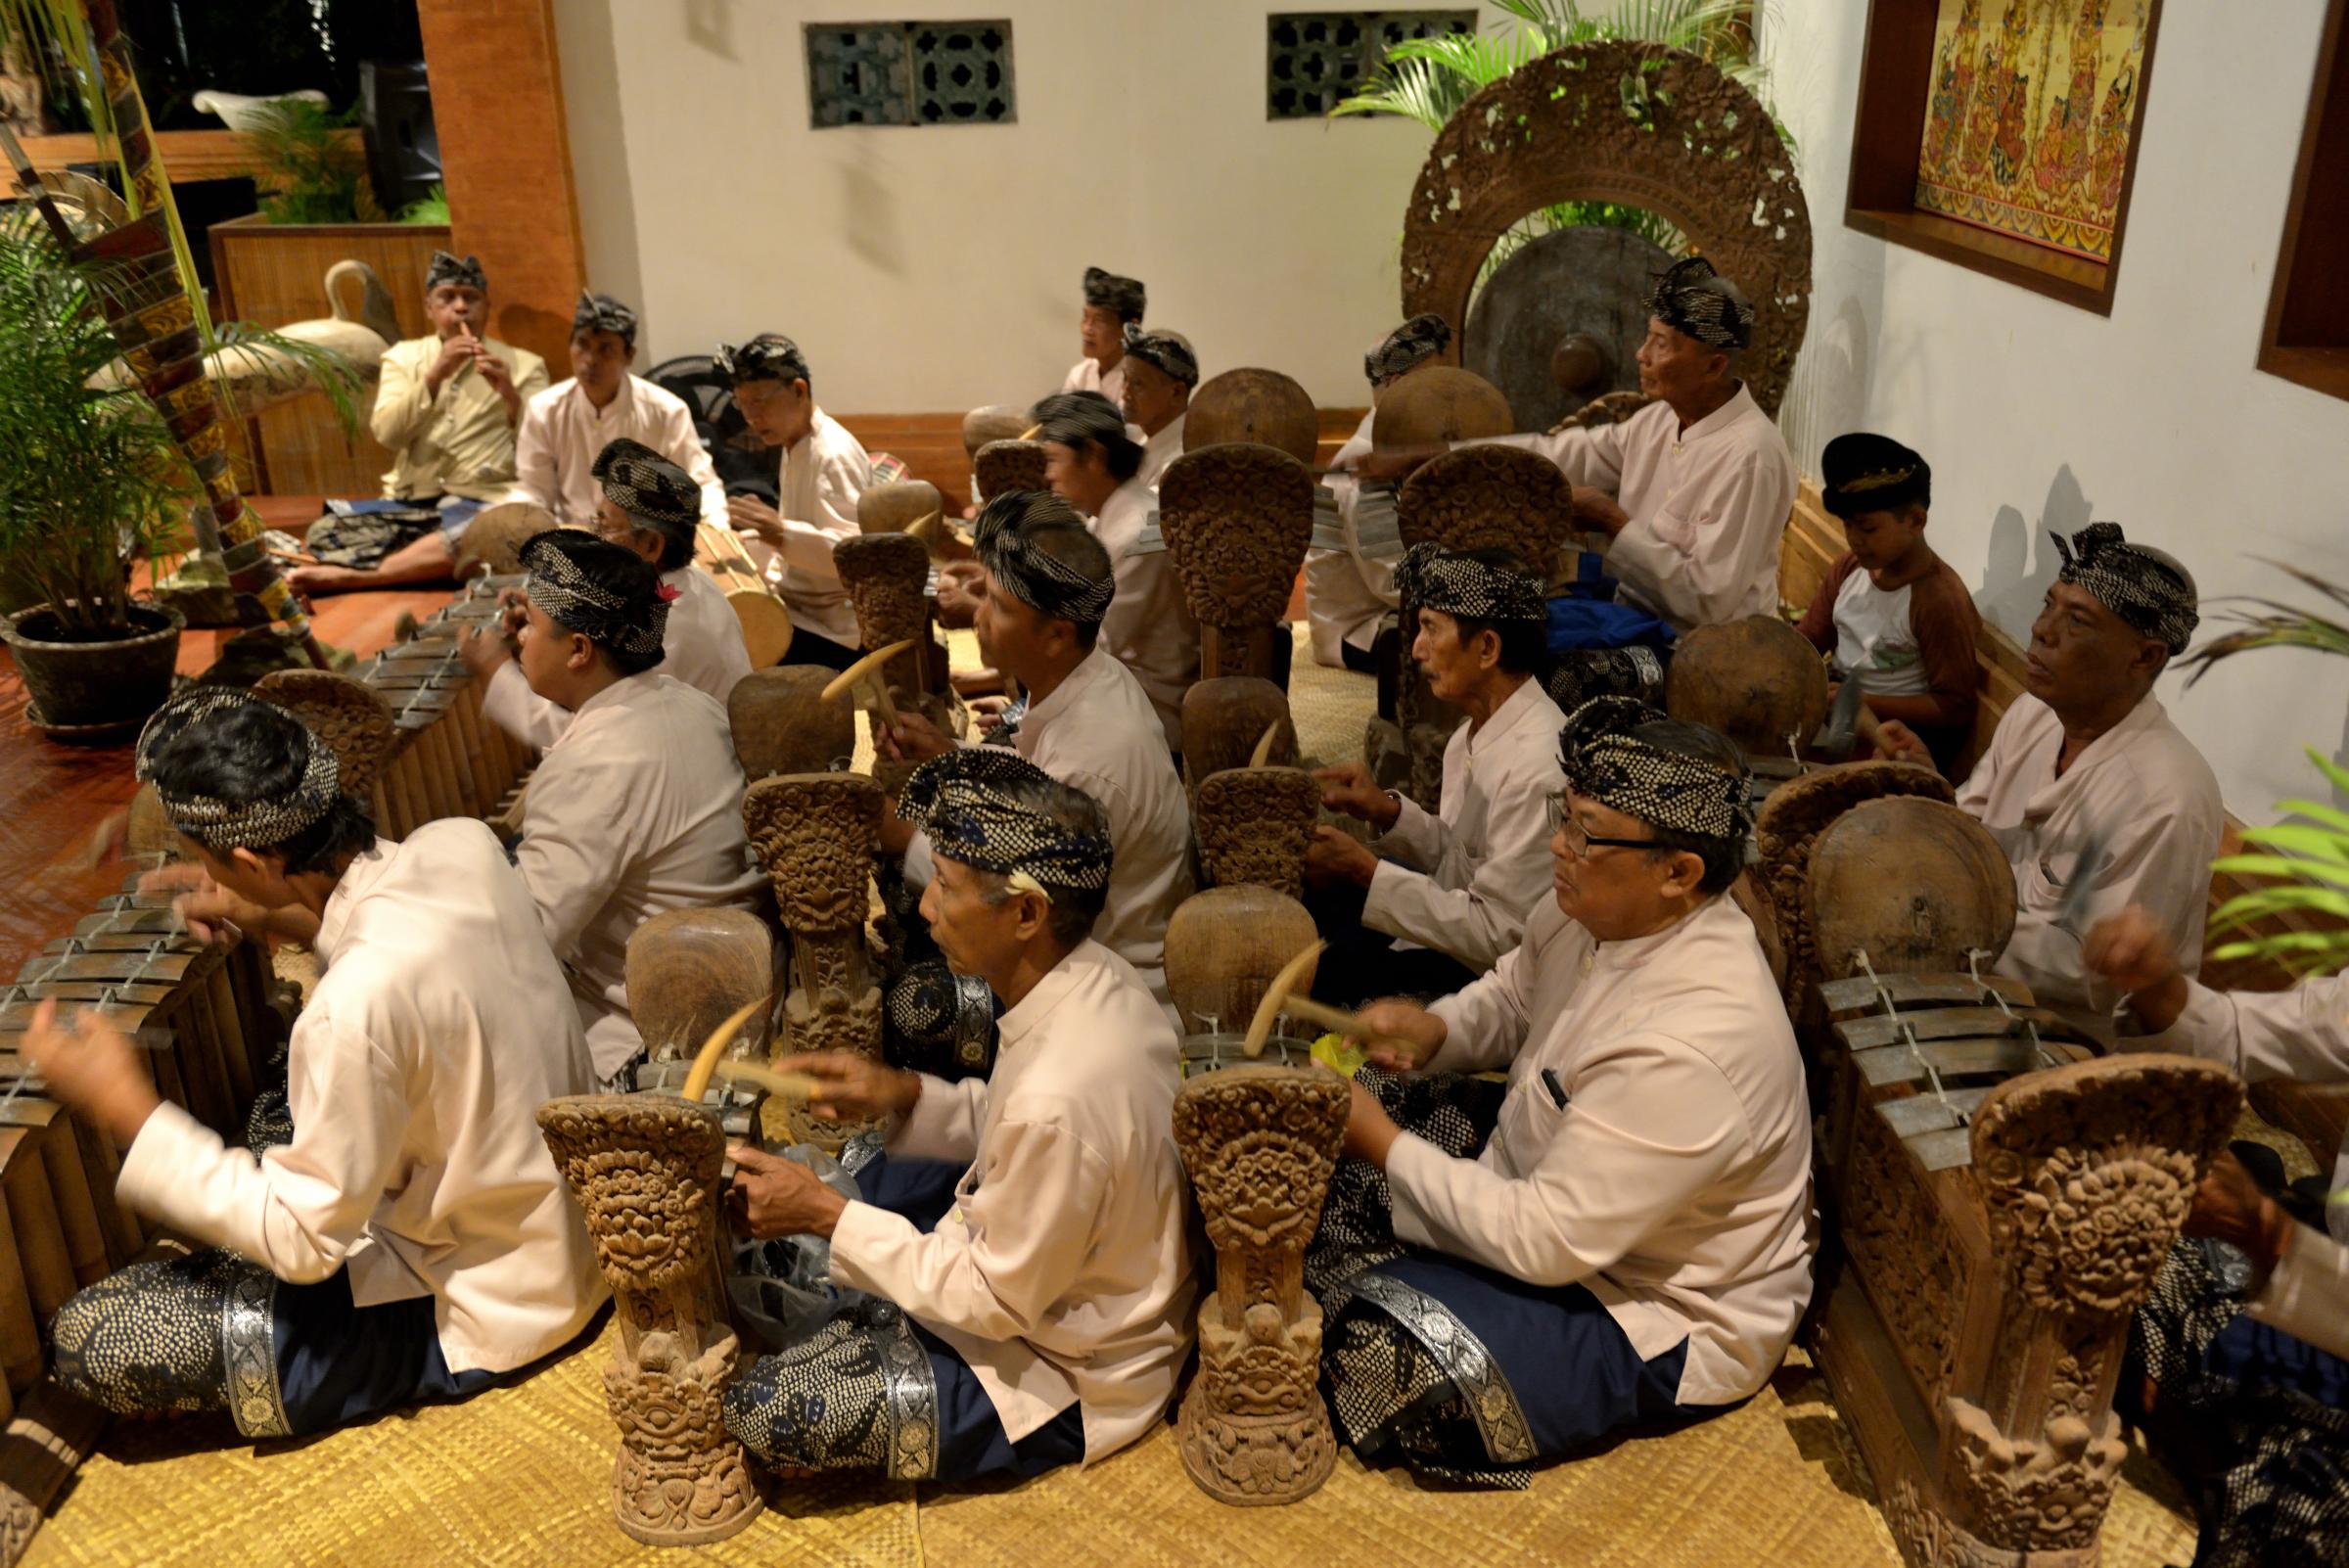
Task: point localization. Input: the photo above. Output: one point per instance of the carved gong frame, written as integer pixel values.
(1639, 124)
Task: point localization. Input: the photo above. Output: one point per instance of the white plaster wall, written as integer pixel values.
(928, 269)
(2036, 414)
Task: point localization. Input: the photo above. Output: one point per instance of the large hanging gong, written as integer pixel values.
(1640, 123)
(1560, 322)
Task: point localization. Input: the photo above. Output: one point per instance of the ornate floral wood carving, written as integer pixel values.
(815, 834)
(886, 576)
(645, 1170)
(1000, 466)
(1260, 1144)
(1236, 518)
(349, 716)
(1910, 1263)
(1254, 824)
(1490, 497)
(1618, 122)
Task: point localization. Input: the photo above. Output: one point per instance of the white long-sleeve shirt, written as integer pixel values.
(1464, 881)
(1669, 1171)
(636, 810)
(1708, 506)
(1350, 568)
(562, 433)
(1086, 376)
(1160, 449)
(823, 474)
(1149, 629)
(1064, 1272)
(2139, 794)
(2298, 1033)
(1098, 732)
(702, 646)
(439, 1025)
(456, 441)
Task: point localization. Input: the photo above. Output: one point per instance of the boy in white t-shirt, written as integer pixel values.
(1895, 616)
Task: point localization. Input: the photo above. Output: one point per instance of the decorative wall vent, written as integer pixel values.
(1314, 59)
(910, 73)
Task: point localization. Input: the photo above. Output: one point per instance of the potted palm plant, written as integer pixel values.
(91, 482)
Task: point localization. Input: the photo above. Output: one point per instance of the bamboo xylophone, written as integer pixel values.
(448, 760)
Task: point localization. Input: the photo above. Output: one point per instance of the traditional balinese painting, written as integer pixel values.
(2032, 107)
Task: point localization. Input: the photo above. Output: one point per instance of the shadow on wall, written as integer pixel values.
(2022, 561)
(591, 72)
(1829, 393)
(875, 233)
(710, 24)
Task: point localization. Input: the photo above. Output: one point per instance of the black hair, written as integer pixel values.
(676, 549)
(1080, 419)
(258, 753)
(1723, 857)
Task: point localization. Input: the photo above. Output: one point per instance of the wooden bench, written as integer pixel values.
(2318, 1113)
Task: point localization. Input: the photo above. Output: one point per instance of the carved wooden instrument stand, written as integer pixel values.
(645, 1169)
(1254, 824)
(1223, 725)
(1237, 518)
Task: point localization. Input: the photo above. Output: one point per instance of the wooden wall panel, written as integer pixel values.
(497, 103)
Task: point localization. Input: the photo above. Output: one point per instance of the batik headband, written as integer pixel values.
(1690, 296)
(2147, 588)
(600, 313)
(1043, 583)
(1124, 296)
(965, 801)
(1435, 578)
(648, 487)
(219, 824)
(769, 356)
(1164, 350)
(1408, 347)
(1605, 760)
(577, 602)
(447, 268)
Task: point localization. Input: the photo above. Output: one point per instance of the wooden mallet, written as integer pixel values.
(1278, 1000)
(865, 675)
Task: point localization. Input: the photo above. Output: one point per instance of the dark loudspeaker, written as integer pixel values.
(403, 151)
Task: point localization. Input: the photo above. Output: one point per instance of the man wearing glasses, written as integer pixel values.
(1630, 1245)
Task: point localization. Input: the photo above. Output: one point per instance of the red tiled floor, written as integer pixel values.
(53, 795)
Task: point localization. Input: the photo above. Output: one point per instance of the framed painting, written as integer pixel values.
(2001, 135)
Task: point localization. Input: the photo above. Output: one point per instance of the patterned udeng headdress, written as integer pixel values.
(1433, 578)
(648, 487)
(999, 537)
(1164, 350)
(219, 824)
(600, 313)
(569, 572)
(447, 268)
(1406, 348)
(964, 800)
(2148, 588)
(769, 356)
(1124, 296)
(1607, 762)
(1690, 296)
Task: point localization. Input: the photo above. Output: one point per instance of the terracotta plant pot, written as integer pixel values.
(88, 685)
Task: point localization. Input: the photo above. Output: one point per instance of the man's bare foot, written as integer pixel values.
(328, 580)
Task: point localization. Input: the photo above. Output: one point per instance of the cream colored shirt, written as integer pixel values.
(1674, 1183)
(2308, 1295)
(1063, 1275)
(637, 809)
(702, 647)
(1098, 732)
(563, 433)
(1708, 506)
(1350, 567)
(2298, 1033)
(1086, 376)
(1160, 449)
(2141, 796)
(1464, 881)
(1149, 628)
(824, 472)
(457, 441)
(439, 1025)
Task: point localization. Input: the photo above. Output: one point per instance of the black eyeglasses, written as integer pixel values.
(1580, 841)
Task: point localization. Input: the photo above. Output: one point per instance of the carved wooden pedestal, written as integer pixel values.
(815, 834)
(1254, 824)
(1259, 1143)
(1237, 518)
(886, 576)
(645, 1169)
(1003, 465)
(1225, 721)
(782, 725)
